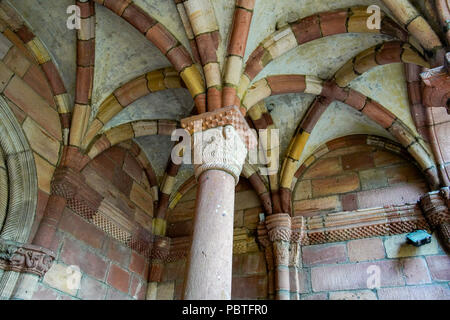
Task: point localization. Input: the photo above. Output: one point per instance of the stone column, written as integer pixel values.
(263, 239)
(219, 152)
(279, 226)
(435, 207)
(160, 252)
(298, 237)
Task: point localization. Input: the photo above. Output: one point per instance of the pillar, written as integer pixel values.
(219, 152)
(279, 226)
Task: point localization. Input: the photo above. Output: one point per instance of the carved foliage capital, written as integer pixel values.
(25, 258)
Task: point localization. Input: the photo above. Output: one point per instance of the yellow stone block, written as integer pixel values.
(41, 142)
(108, 109)
(44, 173)
(159, 226)
(141, 198)
(299, 145)
(119, 134)
(155, 81)
(290, 166)
(193, 80)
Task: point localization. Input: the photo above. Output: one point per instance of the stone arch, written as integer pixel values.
(22, 191)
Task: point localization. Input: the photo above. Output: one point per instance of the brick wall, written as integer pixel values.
(109, 268)
(357, 177)
(341, 270)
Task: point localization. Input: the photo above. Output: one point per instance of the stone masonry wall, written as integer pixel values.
(340, 271)
(109, 268)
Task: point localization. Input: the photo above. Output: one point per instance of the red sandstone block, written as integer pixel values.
(286, 84)
(254, 65)
(385, 158)
(365, 249)
(161, 38)
(116, 154)
(403, 173)
(349, 202)
(91, 289)
(117, 6)
(307, 29)
(138, 289)
(180, 58)
(85, 52)
(104, 166)
(379, 114)
(122, 181)
(72, 252)
(17, 61)
(335, 185)
(44, 293)
(38, 82)
(354, 276)
(241, 25)
(430, 292)
(324, 254)
(439, 267)
(303, 281)
(415, 271)
(391, 53)
(80, 229)
(249, 287)
(401, 194)
(118, 278)
(333, 22)
(132, 167)
(137, 264)
(358, 161)
(253, 263)
(138, 18)
(54, 78)
(414, 92)
(324, 168)
(118, 252)
(355, 99)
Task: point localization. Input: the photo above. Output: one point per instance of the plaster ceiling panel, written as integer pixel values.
(268, 13)
(340, 120)
(48, 21)
(287, 111)
(122, 54)
(387, 85)
(157, 149)
(173, 104)
(166, 13)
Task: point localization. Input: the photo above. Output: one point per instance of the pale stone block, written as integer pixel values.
(396, 247)
(152, 290)
(259, 91)
(5, 45)
(353, 295)
(44, 173)
(201, 15)
(165, 290)
(41, 141)
(60, 277)
(212, 75)
(233, 70)
(284, 41)
(145, 128)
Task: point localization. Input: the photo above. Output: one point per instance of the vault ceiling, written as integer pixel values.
(122, 54)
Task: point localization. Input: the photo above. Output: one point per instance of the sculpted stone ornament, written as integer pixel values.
(219, 148)
(436, 92)
(25, 258)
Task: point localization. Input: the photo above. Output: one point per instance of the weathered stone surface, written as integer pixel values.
(353, 295)
(365, 249)
(396, 247)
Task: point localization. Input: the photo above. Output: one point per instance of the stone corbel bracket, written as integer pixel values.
(25, 258)
(222, 117)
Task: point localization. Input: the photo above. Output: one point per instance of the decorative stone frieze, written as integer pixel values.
(25, 258)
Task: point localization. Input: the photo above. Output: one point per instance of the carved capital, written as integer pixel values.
(279, 226)
(25, 258)
(435, 209)
(219, 148)
(436, 92)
